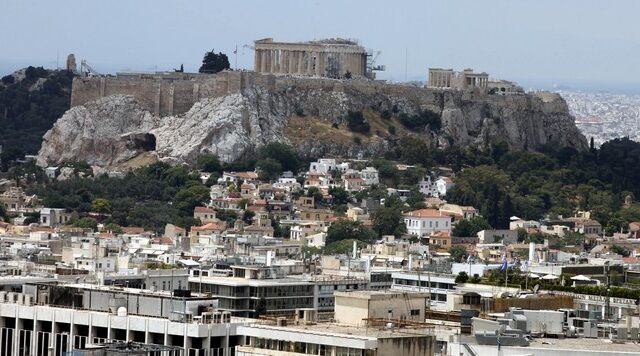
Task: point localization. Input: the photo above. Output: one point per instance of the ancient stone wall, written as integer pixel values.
(167, 94)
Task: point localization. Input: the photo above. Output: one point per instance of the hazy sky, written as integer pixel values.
(575, 42)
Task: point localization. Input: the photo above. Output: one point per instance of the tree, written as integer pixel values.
(269, 169)
(101, 206)
(462, 277)
(114, 228)
(457, 254)
(416, 199)
(283, 153)
(86, 223)
(209, 163)
(357, 123)
(624, 252)
(247, 217)
(388, 221)
(315, 193)
(214, 63)
(470, 228)
(347, 229)
(342, 247)
(340, 195)
(186, 199)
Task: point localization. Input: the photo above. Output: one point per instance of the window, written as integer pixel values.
(415, 312)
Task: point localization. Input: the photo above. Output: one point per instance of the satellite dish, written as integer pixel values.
(535, 288)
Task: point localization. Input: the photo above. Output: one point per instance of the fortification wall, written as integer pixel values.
(166, 95)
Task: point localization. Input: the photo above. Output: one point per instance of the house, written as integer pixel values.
(424, 222)
(634, 229)
(204, 214)
(51, 172)
(588, 226)
(301, 230)
(305, 202)
(323, 165)
(493, 236)
(239, 177)
(353, 183)
(53, 217)
(370, 176)
(315, 214)
(317, 180)
(440, 239)
(248, 191)
(428, 187)
(207, 229)
(517, 223)
(459, 212)
(444, 184)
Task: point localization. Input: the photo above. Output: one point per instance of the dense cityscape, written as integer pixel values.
(307, 201)
(605, 116)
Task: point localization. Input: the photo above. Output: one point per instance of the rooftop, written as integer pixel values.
(426, 213)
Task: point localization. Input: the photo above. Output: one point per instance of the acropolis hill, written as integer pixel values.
(136, 118)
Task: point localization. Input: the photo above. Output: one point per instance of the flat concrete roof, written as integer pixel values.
(379, 294)
(235, 281)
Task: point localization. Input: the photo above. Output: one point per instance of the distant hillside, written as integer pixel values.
(31, 100)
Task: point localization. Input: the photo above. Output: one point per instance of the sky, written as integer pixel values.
(582, 44)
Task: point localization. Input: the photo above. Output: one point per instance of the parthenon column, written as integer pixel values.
(298, 62)
(310, 60)
(272, 61)
(292, 67)
(263, 61)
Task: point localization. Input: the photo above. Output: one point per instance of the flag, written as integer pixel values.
(504, 263)
(235, 51)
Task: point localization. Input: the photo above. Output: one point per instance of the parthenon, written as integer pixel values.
(332, 58)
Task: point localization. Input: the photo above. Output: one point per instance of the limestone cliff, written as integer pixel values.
(114, 130)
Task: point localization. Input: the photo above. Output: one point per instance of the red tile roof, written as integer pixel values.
(203, 210)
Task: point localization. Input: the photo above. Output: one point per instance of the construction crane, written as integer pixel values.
(87, 70)
(371, 64)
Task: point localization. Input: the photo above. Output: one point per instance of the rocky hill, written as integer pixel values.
(117, 130)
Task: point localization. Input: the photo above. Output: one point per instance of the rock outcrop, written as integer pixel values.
(112, 131)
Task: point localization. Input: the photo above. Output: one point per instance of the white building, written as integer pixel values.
(428, 187)
(439, 285)
(507, 237)
(444, 184)
(370, 176)
(423, 222)
(323, 165)
(53, 217)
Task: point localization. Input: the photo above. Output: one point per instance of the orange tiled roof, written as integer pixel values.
(203, 210)
(426, 213)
